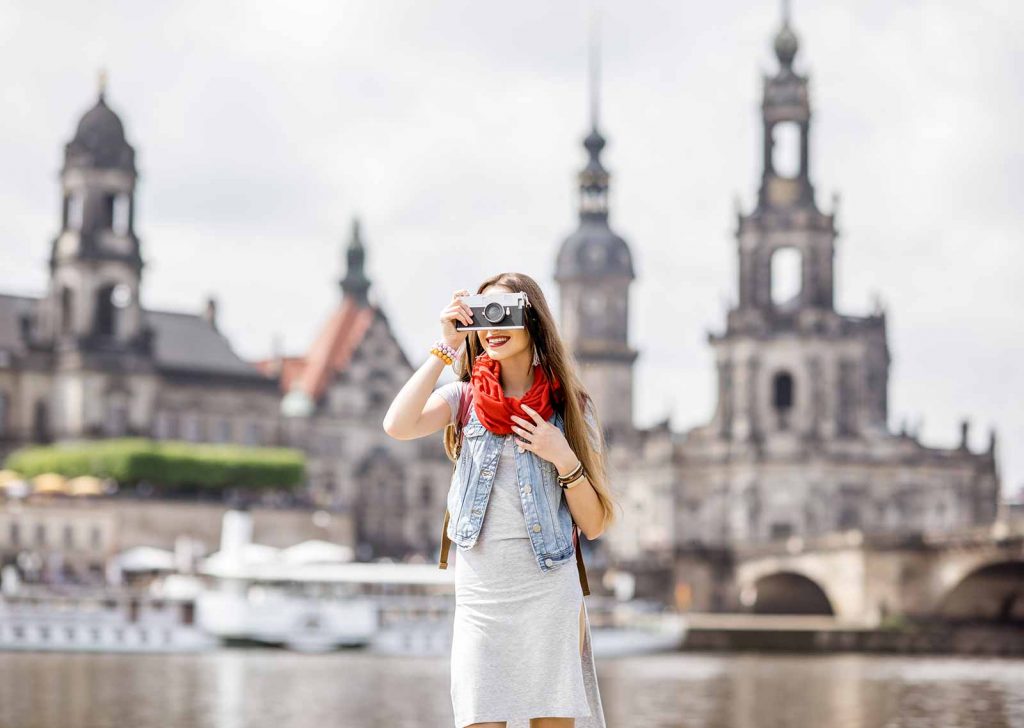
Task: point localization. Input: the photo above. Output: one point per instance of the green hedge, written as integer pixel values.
(167, 462)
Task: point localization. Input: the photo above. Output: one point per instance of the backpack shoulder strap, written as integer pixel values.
(465, 399)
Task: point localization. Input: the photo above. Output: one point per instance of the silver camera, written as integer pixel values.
(495, 311)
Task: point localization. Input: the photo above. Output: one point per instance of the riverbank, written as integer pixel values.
(812, 634)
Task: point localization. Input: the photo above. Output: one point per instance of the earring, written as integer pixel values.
(536, 359)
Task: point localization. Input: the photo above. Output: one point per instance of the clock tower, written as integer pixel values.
(594, 271)
(95, 262)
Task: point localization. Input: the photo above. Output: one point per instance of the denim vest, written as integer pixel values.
(549, 522)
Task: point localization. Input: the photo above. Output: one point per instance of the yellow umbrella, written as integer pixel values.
(50, 483)
(8, 476)
(85, 485)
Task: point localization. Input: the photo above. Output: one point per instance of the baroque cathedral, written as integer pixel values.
(798, 445)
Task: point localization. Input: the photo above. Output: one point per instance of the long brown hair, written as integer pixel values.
(557, 361)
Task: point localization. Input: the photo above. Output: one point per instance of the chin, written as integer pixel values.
(502, 353)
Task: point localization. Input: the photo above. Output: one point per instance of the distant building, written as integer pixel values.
(334, 400)
(86, 359)
(798, 445)
(594, 270)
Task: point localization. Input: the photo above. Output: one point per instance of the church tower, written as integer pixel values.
(594, 270)
(91, 321)
(95, 265)
(791, 370)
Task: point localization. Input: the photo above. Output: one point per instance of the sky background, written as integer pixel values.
(453, 129)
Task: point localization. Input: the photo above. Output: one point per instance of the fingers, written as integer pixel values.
(450, 313)
(460, 312)
(533, 413)
(459, 305)
(457, 310)
(526, 424)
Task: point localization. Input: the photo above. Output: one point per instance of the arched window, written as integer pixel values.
(40, 423)
(786, 149)
(74, 214)
(782, 398)
(108, 211)
(105, 311)
(787, 276)
(65, 310)
(110, 300)
(121, 214)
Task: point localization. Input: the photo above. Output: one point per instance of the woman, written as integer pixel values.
(521, 653)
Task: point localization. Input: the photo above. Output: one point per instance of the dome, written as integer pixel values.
(594, 142)
(786, 45)
(99, 140)
(594, 251)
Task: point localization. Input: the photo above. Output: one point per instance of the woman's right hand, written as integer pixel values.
(456, 310)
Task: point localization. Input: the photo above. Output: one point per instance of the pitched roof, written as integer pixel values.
(333, 347)
(181, 341)
(329, 354)
(187, 341)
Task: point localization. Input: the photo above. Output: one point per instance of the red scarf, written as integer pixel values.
(495, 410)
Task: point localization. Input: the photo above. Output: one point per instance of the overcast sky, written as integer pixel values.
(453, 129)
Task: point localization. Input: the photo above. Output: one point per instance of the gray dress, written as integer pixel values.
(516, 634)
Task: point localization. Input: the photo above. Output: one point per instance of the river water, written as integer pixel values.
(265, 688)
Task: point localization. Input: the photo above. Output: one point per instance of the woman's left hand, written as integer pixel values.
(541, 438)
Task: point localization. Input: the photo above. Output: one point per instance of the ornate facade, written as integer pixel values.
(799, 444)
(87, 359)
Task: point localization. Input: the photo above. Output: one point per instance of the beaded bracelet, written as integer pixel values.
(444, 351)
(441, 355)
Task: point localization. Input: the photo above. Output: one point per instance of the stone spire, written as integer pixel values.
(786, 42)
(355, 283)
(593, 178)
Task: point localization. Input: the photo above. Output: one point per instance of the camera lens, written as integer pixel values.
(494, 312)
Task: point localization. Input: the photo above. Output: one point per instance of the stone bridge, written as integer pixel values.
(860, 579)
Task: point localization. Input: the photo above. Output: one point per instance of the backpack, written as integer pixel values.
(446, 543)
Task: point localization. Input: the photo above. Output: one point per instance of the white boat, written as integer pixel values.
(312, 597)
(321, 607)
(38, 618)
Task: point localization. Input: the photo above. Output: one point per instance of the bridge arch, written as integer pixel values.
(990, 592)
(789, 592)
